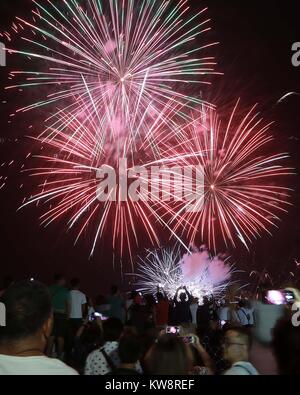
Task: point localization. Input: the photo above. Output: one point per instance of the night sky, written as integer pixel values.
(255, 54)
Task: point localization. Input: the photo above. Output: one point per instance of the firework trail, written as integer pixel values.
(68, 177)
(202, 274)
(160, 268)
(242, 194)
(133, 56)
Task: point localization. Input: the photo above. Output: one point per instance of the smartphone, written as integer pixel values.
(289, 296)
(95, 316)
(188, 339)
(174, 330)
(276, 297)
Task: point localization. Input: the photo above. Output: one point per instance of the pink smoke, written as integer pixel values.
(199, 264)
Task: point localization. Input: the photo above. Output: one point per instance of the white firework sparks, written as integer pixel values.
(202, 274)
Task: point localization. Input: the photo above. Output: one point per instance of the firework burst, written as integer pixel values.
(168, 270)
(242, 196)
(134, 56)
(70, 169)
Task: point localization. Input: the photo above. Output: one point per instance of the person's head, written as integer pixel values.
(160, 296)
(28, 315)
(138, 299)
(196, 301)
(237, 344)
(130, 349)
(149, 300)
(182, 296)
(286, 347)
(92, 336)
(133, 294)
(205, 300)
(7, 281)
(59, 279)
(75, 283)
(244, 304)
(114, 290)
(169, 356)
(112, 330)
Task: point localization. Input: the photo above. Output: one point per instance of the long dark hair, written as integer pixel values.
(169, 356)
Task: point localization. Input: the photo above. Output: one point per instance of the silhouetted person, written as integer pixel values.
(182, 312)
(106, 359)
(138, 314)
(7, 282)
(286, 347)
(162, 310)
(130, 351)
(77, 312)
(117, 304)
(60, 298)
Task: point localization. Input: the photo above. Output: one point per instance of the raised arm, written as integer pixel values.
(190, 298)
(176, 295)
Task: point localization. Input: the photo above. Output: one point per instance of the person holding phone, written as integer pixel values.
(203, 364)
(182, 302)
(268, 311)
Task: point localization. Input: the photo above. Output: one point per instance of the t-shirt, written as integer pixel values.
(34, 366)
(226, 314)
(77, 300)
(194, 308)
(162, 313)
(266, 317)
(59, 297)
(246, 316)
(223, 313)
(117, 304)
(242, 369)
(97, 364)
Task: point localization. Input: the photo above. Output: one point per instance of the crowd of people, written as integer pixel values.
(59, 330)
